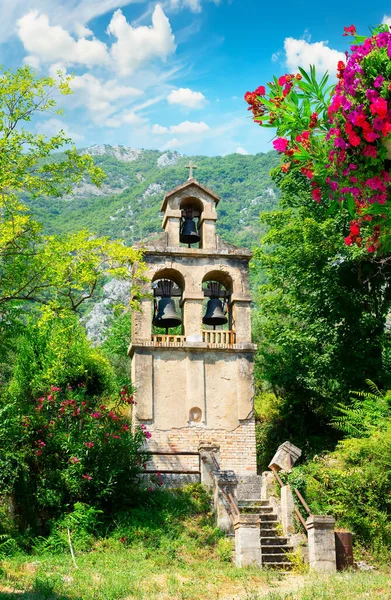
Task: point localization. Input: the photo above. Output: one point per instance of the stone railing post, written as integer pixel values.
(247, 540)
(321, 543)
(225, 482)
(287, 510)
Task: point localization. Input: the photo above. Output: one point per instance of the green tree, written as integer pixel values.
(321, 318)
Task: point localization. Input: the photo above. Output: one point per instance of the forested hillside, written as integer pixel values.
(127, 205)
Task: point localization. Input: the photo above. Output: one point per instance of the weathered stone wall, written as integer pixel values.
(237, 447)
(186, 397)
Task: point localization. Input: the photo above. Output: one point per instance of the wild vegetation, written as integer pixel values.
(69, 463)
(323, 313)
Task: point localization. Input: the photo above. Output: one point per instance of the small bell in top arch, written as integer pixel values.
(189, 234)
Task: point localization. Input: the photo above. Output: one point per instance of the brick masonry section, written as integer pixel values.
(237, 447)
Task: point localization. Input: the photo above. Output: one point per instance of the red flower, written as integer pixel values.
(316, 194)
(280, 144)
(348, 240)
(260, 91)
(351, 30)
(282, 80)
(74, 460)
(341, 65)
(354, 140)
(379, 107)
(89, 444)
(354, 230)
(88, 477)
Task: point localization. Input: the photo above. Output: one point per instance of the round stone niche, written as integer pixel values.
(195, 416)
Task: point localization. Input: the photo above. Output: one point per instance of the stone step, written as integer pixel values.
(278, 566)
(274, 558)
(270, 533)
(277, 549)
(249, 510)
(260, 503)
(262, 510)
(268, 518)
(273, 541)
(268, 525)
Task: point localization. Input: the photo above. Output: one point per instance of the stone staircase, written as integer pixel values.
(273, 546)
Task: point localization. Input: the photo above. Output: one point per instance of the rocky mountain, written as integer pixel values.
(127, 205)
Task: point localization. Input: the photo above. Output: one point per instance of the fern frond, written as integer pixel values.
(373, 387)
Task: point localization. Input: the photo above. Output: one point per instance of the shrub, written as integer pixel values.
(353, 483)
(65, 432)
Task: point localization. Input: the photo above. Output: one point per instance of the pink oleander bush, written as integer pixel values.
(76, 449)
(336, 135)
(70, 439)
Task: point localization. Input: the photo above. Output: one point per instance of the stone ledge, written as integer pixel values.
(194, 346)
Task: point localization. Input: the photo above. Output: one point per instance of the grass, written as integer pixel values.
(167, 548)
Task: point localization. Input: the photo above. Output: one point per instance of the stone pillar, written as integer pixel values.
(192, 316)
(142, 321)
(207, 226)
(241, 318)
(171, 225)
(225, 481)
(321, 543)
(268, 485)
(142, 370)
(207, 464)
(247, 541)
(287, 509)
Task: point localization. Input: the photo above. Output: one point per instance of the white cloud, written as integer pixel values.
(194, 5)
(52, 126)
(50, 43)
(32, 61)
(134, 46)
(67, 13)
(82, 31)
(137, 45)
(241, 150)
(386, 20)
(173, 144)
(159, 130)
(126, 117)
(300, 53)
(276, 56)
(185, 128)
(101, 98)
(186, 97)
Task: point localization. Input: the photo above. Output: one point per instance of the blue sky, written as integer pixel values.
(172, 74)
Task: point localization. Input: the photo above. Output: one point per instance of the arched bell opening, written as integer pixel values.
(217, 313)
(167, 288)
(190, 233)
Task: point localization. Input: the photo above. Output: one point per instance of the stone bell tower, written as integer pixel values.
(191, 349)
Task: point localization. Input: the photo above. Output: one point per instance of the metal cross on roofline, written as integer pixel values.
(191, 166)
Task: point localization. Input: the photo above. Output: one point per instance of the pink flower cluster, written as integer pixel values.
(360, 119)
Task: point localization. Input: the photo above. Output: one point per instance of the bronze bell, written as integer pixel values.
(214, 313)
(166, 316)
(189, 234)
